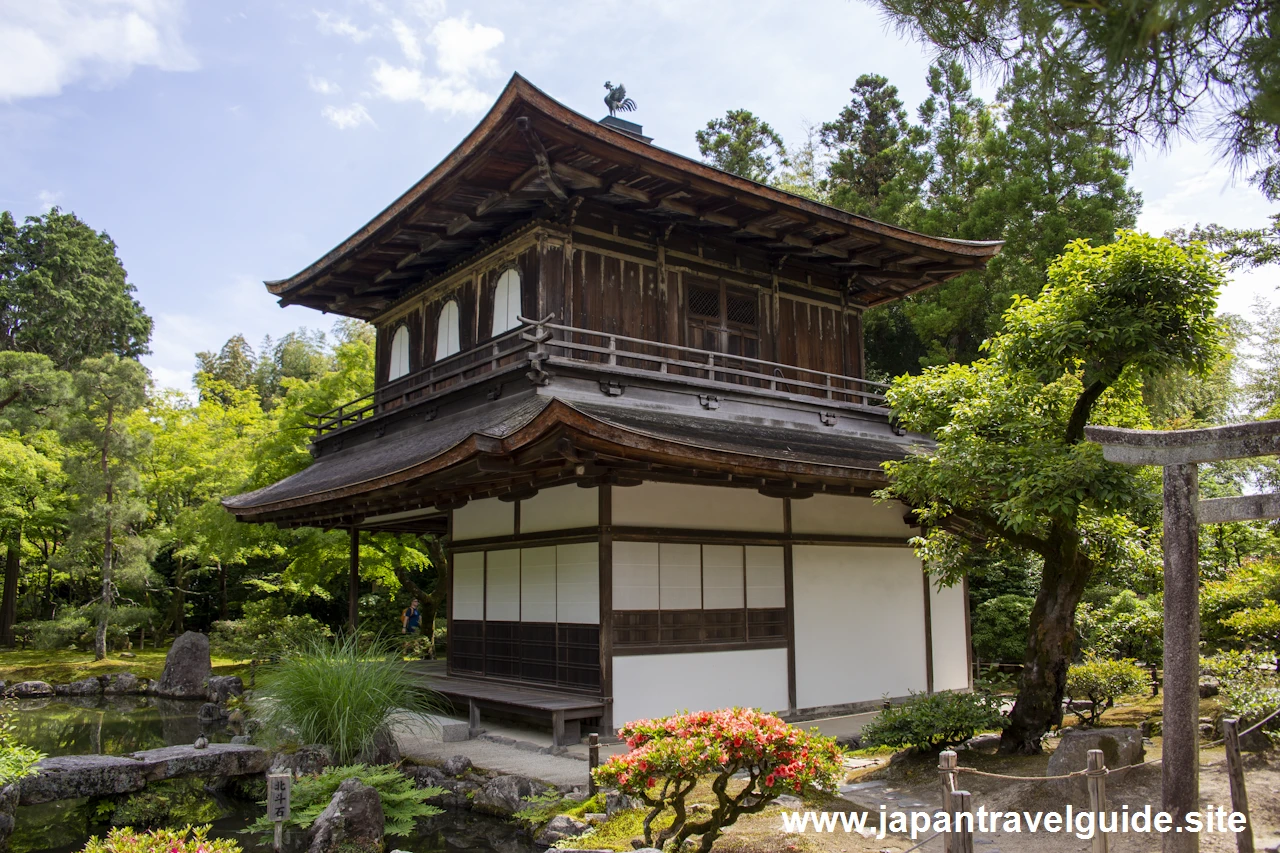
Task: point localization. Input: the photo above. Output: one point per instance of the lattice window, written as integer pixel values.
(704, 302)
(741, 310)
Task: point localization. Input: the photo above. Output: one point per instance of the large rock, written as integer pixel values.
(456, 765)
(220, 688)
(31, 690)
(121, 683)
(84, 687)
(1120, 747)
(210, 712)
(353, 820)
(186, 668)
(303, 761)
(211, 760)
(558, 828)
(71, 777)
(505, 795)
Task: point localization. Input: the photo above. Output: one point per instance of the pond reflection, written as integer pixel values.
(108, 725)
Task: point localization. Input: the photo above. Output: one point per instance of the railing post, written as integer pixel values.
(613, 350)
(1235, 776)
(947, 775)
(963, 836)
(1096, 777)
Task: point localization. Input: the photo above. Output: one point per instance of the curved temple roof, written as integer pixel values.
(531, 154)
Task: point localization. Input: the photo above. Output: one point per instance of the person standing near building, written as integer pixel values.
(411, 618)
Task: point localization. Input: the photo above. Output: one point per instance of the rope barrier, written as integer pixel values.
(1256, 726)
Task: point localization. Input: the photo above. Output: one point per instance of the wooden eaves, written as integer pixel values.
(531, 153)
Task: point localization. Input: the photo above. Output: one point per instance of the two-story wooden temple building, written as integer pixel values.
(628, 388)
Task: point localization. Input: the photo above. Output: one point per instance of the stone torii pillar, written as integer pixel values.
(1179, 452)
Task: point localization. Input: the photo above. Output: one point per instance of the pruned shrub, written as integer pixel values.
(1101, 681)
(403, 804)
(263, 635)
(669, 756)
(1126, 626)
(933, 721)
(1249, 688)
(187, 840)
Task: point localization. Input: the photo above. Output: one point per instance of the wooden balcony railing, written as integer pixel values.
(541, 342)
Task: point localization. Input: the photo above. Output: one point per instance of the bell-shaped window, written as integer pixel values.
(506, 302)
(399, 354)
(447, 342)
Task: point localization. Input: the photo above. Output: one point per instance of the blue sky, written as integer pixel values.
(223, 142)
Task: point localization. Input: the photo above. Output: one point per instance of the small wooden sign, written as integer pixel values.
(278, 790)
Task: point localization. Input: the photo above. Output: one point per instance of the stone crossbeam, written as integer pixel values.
(1186, 446)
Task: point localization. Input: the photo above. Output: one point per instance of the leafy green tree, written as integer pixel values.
(1156, 68)
(742, 144)
(1011, 469)
(64, 293)
(102, 463)
(31, 482)
(1126, 626)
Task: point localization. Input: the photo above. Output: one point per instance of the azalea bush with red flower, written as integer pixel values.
(669, 756)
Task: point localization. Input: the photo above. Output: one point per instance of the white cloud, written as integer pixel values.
(323, 86)
(462, 48)
(463, 52)
(48, 199)
(340, 25)
(408, 41)
(345, 118)
(46, 45)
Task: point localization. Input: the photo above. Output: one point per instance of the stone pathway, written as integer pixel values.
(517, 757)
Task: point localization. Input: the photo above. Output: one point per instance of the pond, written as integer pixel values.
(119, 725)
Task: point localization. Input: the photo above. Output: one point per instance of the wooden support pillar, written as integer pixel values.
(353, 583)
(1181, 767)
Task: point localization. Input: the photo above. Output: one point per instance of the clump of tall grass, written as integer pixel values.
(340, 692)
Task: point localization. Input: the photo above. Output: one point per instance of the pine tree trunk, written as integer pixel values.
(9, 605)
(1049, 647)
(108, 548)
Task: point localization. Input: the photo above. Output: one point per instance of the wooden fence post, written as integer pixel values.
(1096, 777)
(593, 761)
(963, 834)
(947, 775)
(1235, 775)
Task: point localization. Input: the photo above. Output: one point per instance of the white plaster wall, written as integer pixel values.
(578, 583)
(950, 641)
(538, 584)
(484, 518)
(766, 583)
(468, 586)
(502, 586)
(680, 573)
(635, 576)
(696, 507)
(657, 685)
(561, 508)
(723, 577)
(849, 516)
(859, 617)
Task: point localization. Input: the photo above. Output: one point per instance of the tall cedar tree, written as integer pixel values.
(742, 144)
(1011, 471)
(102, 463)
(1158, 67)
(64, 293)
